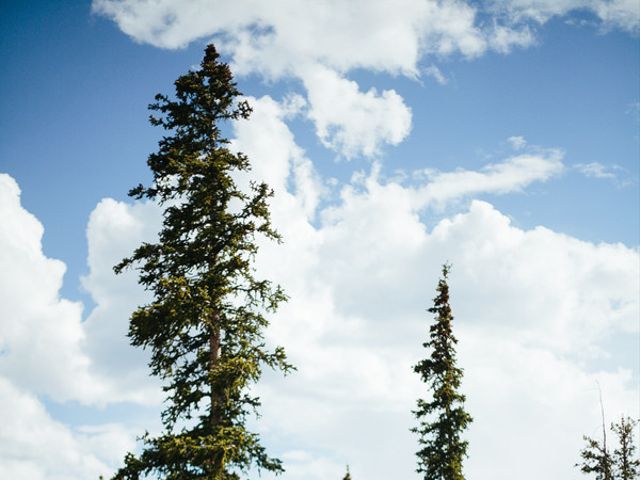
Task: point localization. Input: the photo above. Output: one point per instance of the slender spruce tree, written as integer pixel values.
(204, 326)
(442, 418)
(625, 461)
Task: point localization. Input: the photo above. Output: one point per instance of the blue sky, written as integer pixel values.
(468, 127)
(74, 127)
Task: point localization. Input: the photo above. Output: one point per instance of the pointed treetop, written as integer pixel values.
(348, 475)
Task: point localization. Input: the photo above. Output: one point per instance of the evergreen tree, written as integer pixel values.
(204, 325)
(596, 459)
(443, 419)
(625, 461)
(595, 456)
(622, 464)
(347, 475)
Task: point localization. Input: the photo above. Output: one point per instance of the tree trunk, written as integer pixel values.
(217, 398)
(214, 357)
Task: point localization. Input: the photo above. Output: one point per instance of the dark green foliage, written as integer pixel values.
(596, 459)
(204, 325)
(623, 464)
(625, 461)
(442, 420)
(347, 475)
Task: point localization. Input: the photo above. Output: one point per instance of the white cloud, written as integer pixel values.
(277, 159)
(534, 310)
(517, 142)
(45, 351)
(350, 121)
(115, 229)
(531, 308)
(532, 400)
(317, 43)
(274, 38)
(301, 464)
(616, 174)
(46, 345)
(33, 446)
(595, 170)
(623, 14)
(41, 334)
(504, 38)
(512, 175)
(320, 42)
(434, 72)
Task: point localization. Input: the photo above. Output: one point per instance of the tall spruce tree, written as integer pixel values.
(204, 325)
(442, 419)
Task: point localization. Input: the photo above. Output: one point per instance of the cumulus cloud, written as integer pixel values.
(278, 160)
(41, 334)
(48, 347)
(115, 229)
(46, 351)
(350, 121)
(531, 308)
(534, 309)
(533, 400)
(273, 38)
(320, 42)
(33, 446)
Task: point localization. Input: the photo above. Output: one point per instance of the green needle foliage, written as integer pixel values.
(626, 463)
(204, 326)
(595, 456)
(623, 464)
(442, 420)
(596, 459)
(347, 475)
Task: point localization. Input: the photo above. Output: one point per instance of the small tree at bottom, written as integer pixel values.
(625, 461)
(622, 464)
(347, 475)
(596, 459)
